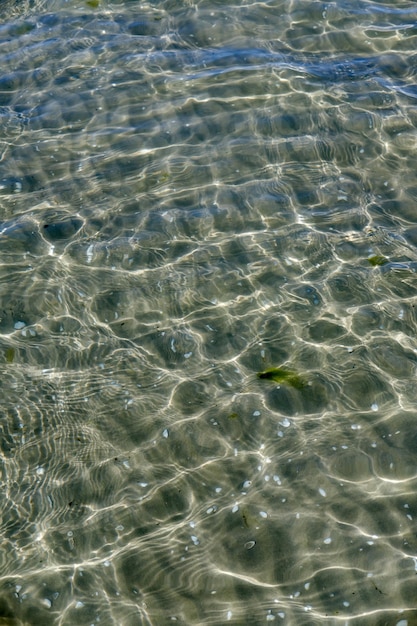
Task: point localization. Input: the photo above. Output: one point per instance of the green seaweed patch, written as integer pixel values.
(10, 354)
(377, 260)
(233, 416)
(94, 4)
(283, 376)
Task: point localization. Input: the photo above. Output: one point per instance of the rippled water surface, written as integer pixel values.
(208, 313)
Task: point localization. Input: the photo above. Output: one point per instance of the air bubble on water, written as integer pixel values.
(355, 426)
(285, 422)
(195, 540)
(327, 541)
(247, 484)
(263, 514)
(19, 325)
(280, 433)
(277, 479)
(256, 413)
(79, 605)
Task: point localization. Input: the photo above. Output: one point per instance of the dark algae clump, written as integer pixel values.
(283, 376)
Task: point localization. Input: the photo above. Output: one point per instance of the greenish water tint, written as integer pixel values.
(208, 319)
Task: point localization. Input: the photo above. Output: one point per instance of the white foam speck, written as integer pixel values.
(19, 325)
(374, 406)
(165, 433)
(263, 514)
(402, 622)
(46, 603)
(90, 253)
(327, 540)
(256, 413)
(229, 615)
(322, 492)
(235, 508)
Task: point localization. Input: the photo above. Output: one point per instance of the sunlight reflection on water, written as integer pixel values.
(207, 314)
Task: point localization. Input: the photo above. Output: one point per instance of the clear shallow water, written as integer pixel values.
(190, 194)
